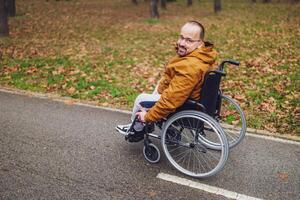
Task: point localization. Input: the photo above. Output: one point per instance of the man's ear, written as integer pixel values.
(201, 44)
(176, 46)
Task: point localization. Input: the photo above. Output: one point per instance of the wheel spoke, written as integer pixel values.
(190, 157)
(174, 149)
(183, 157)
(200, 162)
(179, 154)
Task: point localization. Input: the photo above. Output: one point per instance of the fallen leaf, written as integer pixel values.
(105, 104)
(152, 193)
(92, 87)
(69, 102)
(283, 175)
(71, 90)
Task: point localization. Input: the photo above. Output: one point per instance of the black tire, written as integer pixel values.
(151, 153)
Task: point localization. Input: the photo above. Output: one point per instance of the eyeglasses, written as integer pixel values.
(188, 41)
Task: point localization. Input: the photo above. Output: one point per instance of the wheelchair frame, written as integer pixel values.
(206, 138)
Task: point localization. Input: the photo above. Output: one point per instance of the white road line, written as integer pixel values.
(204, 187)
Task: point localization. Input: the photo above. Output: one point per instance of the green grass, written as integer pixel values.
(151, 21)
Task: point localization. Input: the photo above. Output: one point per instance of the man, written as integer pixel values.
(182, 79)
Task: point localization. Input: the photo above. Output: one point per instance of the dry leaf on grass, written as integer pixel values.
(71, 90)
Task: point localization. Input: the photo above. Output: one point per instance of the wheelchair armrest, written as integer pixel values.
(197, 103)
(222, 73)
(232, 62)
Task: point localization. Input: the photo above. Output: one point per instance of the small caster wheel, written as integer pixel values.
(151, 153)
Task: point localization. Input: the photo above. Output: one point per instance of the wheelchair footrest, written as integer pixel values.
(134, 137)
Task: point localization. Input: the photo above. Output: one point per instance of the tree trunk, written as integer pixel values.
(253, 1)
(217, 6)
(135, 2)
(10, 7)
(3, 20)
(266, 1)
(154, 9)
(189, 2)
(295, 1)
(163, 4)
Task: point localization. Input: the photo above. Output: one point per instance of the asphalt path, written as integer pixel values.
(52, 150)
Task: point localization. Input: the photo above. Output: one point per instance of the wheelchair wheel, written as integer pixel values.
(232, 120)
(185, 150)
(151, 153)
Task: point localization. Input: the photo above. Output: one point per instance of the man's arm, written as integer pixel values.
(175, 95)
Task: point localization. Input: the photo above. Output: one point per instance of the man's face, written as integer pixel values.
(188, 40)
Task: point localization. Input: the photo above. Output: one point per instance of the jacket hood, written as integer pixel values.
(205, 53)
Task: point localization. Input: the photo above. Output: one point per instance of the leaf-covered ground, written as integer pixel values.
(109, 51)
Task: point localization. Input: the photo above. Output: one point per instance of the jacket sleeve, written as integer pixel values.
(162, 83)
(178, 91)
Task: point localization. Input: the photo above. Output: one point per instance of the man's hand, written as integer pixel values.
(141, 114)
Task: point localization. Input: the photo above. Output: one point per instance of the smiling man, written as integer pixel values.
(182, 79)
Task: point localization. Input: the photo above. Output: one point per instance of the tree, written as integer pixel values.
(135, 2)
(10, 7)
(3, 19)
(189, 2)
(163, 4)
(266, 1)
(217, 6)
(154, 10)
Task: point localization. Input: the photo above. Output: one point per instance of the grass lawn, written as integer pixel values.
(109, 51)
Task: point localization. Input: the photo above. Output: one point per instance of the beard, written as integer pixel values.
(180, 50)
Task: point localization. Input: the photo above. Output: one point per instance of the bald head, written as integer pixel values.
(196, 28)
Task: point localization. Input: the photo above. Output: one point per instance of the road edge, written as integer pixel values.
(71, 101)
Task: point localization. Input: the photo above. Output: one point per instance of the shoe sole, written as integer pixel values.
(121, 132)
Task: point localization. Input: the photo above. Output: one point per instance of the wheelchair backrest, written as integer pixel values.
(210, 92)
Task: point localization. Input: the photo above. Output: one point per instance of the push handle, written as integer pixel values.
(232, 62)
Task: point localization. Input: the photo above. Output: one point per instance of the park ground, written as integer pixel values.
(109, 51)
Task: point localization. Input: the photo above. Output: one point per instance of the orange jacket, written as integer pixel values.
(182, 79)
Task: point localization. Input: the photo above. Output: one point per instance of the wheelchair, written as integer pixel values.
(197, 137)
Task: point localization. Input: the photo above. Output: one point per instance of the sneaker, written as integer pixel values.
(125, 126)
(136, 137)
(124, 129)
